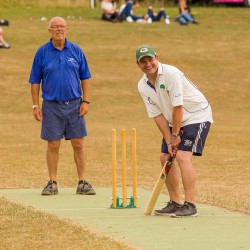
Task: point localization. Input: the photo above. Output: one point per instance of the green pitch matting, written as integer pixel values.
(214, 228)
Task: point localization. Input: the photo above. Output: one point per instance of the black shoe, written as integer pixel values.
(50, 189)
(85, 188)
(188, 209)
(195, 22)
(171, 207)
(120, 19)
(4, 46)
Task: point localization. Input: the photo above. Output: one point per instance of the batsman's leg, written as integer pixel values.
(172, 180)
(187, 173)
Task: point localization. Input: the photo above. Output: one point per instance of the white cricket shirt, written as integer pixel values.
(173, 88)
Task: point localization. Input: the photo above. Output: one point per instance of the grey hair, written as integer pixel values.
(55, 18)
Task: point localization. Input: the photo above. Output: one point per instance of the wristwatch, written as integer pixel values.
(35, 106)
(174, 135)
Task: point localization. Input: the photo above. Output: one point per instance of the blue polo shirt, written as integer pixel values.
(59, 72)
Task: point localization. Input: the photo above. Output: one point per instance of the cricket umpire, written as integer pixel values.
(62, 71)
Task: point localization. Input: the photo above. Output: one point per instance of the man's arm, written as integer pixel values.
(163, 126)
(37, 111)
(177, 121)
(85, 96)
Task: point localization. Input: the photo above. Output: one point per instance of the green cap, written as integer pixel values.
(144, 50)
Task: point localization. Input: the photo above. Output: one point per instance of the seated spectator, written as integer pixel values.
(3, 44)
(185, 16)
(126, 12)
(109, 11)
(156, 17)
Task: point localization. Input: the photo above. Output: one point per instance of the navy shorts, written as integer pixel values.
(62, 120)
(193, 138)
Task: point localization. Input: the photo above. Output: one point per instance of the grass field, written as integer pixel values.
(214, 55)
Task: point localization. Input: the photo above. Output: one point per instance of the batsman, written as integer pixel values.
(183, 115)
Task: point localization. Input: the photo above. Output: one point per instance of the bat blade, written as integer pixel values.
(158, 187)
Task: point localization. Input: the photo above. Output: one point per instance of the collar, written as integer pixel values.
(52, 47)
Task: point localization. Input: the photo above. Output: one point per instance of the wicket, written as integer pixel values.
(117, 201)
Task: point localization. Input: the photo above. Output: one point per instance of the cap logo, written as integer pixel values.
(143, 50)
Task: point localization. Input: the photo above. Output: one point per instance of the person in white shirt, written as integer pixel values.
(183, 115)
(3, 44)
(109, 11)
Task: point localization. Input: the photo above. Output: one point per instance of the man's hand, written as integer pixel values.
(172, 150)
(37, 112)
(84, 109)
(176, 141)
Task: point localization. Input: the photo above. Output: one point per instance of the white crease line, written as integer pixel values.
(142, 215)
(82, 209)
(73, 209)
(91, 217)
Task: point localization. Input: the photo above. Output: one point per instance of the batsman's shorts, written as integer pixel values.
(62, 120)
(193, 138)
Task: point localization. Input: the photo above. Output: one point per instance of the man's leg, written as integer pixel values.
(187, 17)
(160, 14)
(80, 159)
(188, 209)
(150, 12)
(52, 163)
(172, 180)
(127, 10)
(188, 174)
(52, 158)
(172, 183)
(79, 156)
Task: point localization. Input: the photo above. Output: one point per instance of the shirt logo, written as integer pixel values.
(150, 101)
(162, 86)
(71, 60)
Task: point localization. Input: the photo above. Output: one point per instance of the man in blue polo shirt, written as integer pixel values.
(61, 69)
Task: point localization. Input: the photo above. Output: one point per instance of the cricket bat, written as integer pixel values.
(158, 186)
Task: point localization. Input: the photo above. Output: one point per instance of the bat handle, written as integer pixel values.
(168, 164)
(170, 158)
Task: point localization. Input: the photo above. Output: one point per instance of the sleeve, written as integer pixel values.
(84, 72)
(36, 69)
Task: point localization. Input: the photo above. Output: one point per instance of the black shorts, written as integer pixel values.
(193, 138)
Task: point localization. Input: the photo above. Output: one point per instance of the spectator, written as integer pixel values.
(3, 44)
(109, 11)
(185, 16)
(156, 17)
(126, 12)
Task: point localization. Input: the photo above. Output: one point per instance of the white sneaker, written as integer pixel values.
(141, 21)
(129, 19)
(167, 21)
(4, 45)
(149, 20)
